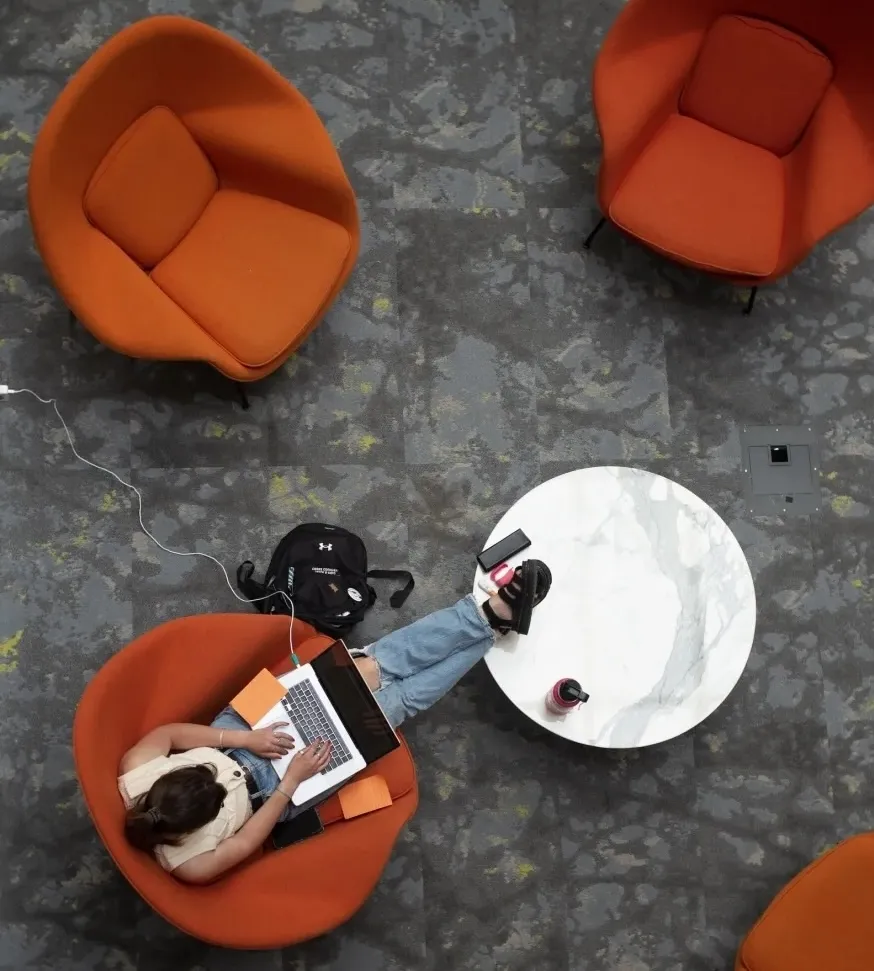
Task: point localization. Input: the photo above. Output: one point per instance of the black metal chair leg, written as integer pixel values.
(748, 309)
(587, 243)
(244, 398)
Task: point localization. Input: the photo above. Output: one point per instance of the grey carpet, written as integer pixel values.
(475, 352)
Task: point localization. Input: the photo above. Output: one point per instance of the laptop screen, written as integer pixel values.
(354, 702)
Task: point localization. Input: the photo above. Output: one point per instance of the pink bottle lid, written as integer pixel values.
(564, 696)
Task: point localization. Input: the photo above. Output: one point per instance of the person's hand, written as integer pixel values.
(308, 762)
(268, 742)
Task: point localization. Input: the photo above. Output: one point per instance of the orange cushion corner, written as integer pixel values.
(256, 274)
(822, 918)
(151, 187)
(757, 81)
(705, 198)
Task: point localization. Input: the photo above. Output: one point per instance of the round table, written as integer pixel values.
(652, 607)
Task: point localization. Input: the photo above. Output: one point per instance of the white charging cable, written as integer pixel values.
(5, 391)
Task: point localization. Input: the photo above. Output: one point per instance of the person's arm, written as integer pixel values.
(266, 742)
(208, 866)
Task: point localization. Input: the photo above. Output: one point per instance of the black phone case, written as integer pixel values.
(488, 559)
(292, 831)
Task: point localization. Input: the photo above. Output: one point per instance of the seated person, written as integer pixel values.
(193, 808)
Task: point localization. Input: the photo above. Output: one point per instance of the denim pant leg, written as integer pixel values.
(420, 663)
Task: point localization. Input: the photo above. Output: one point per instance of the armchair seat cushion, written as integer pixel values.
(254, 273)
(151, 187)
(706, 199)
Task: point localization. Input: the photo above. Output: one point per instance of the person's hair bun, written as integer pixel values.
(142, 828)
(178, 803)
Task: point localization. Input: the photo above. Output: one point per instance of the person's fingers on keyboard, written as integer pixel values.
(323, 756)
(284, 742)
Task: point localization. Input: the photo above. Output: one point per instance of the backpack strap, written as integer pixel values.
(399, 597)
(250, 588)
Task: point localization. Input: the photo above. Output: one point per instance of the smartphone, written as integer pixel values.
(503, 550)
(294, 830)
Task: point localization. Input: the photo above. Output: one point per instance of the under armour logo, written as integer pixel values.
(326, 546)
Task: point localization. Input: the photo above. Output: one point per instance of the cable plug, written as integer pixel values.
(4, 392)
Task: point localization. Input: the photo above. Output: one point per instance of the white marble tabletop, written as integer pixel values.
(652, 607)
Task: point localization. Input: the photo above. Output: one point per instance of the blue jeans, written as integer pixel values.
(418, 664)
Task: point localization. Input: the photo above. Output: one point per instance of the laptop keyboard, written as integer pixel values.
(308, 714)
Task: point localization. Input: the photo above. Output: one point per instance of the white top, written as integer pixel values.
(235, 809)
(652, 607)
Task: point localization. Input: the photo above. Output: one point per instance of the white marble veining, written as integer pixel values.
(652, 607)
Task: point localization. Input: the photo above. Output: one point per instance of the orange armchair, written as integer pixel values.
(187, 670)
(188, 203)
(822, 919)
(736, 136)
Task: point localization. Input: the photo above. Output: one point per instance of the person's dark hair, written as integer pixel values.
(178, 803)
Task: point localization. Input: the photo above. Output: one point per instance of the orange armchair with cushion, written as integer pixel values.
(187, 670)
(188, 202)
(821, 921)
(735, 136)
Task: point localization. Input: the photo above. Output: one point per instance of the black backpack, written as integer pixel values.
(323, 569)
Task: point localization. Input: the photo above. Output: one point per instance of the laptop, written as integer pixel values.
(329, 699)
